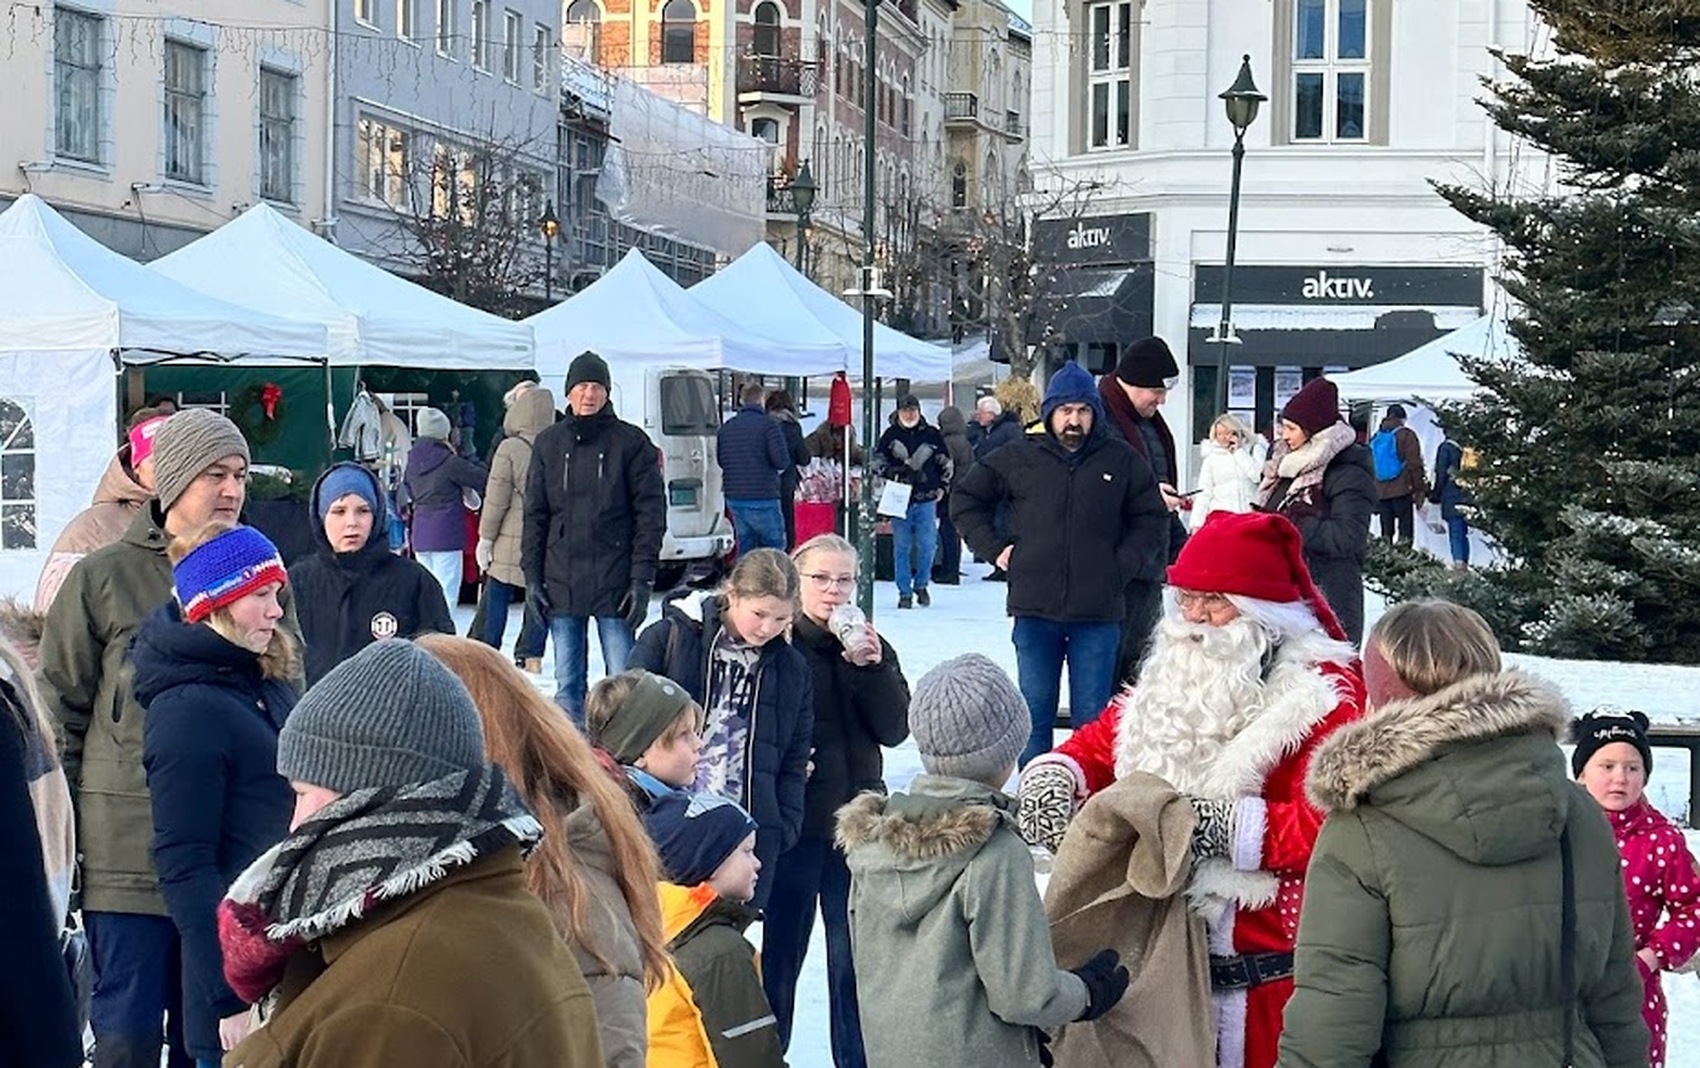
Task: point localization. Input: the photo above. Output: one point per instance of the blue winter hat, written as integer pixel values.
(695, 833)
(224, 570)
(342, 480)
(1071, 384)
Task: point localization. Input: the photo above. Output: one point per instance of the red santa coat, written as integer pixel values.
(1249, 900)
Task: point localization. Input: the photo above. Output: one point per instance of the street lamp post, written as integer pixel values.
(869, 287)
(1241, 100)
(550, 227)
(803, 198)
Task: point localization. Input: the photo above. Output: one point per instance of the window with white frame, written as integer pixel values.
(366, 11)
(679, 32)
(185, 111)
(277, 134)
(1331, 70)
(513, 34)
(77, 111)
(447, 10)
(542, 44)
(1109, 75)
(481, 34)
(383, 158)
(17, 475)
(406, 12)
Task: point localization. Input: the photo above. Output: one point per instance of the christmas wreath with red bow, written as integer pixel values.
(258, 411)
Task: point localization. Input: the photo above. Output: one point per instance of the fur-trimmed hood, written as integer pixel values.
(923, 839)
(1475, 766)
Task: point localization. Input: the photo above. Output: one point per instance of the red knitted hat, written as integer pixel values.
(1252, 554)
(1315, 407)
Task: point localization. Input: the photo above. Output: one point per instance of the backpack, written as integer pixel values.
(1384, 446)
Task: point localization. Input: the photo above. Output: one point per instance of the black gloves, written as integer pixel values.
(1215, 831)
(537, 599)
(635, 605)
(1046, 1060)
(1106, 981)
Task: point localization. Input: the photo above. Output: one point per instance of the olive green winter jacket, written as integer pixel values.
(1431, 923)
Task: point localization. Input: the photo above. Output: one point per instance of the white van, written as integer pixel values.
(677, 408)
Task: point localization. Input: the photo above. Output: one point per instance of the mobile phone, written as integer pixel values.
(1190, 493)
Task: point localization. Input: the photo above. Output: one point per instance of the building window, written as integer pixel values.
(405, 27)
(446, 11)
(1109, 75)
(959, 185)
(513, 32)
(765, 38)
(76, 85)
(366, 11)
(1331, 69)
(679, 32)
(580, 34)
(383, 152)
(277, 135)
(17, 476)
(481, 34)
(541, 46)
(185, 111)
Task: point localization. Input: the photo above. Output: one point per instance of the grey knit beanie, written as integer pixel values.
(968, 719)
(188, 443)
(390, 715)
(432, 423)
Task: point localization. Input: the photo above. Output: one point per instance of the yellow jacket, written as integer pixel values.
(711, 1010)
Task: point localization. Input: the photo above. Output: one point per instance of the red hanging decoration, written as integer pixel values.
(838, 401)
(270, 394)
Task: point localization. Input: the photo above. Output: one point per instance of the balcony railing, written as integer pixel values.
(780, 75)
(963, 106)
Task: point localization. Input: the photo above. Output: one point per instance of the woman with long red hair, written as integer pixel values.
(595, 868)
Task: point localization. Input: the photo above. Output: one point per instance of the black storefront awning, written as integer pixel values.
(1094, 306)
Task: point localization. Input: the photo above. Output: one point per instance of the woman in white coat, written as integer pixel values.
(1229, 471)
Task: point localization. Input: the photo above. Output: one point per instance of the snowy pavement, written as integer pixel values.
(970, 618)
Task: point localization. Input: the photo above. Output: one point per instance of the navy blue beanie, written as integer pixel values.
(695, 833)
(1071, 384)
(342, 480)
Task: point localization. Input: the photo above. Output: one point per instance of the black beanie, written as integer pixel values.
(587, 366)
(1147, 362)
(695, 833)
(1601, 728)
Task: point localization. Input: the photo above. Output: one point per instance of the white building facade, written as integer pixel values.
(1346, 255)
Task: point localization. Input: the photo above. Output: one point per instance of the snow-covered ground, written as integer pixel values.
(970, 618)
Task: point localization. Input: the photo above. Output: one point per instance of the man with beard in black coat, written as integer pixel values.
(1084, 518)
(595, 512)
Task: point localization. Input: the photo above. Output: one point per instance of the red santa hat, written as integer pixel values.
(1252, 554)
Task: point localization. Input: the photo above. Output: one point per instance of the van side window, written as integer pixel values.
(687, 405)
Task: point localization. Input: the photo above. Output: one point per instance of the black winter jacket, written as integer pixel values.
(347, 601)
(38, 1014)
(1004, 429)
(595, 511)
(753, 455)
(209, 746)
(857, 710)
(1084, 524)
(915, 455)
(1337, 534)
(800, 455)
(781, 726)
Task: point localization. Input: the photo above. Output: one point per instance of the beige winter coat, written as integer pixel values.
(116, 501)
(1119, 883)
(504, 495)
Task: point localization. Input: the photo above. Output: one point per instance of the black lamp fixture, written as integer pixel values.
(550, 227)
(803, 199)
(1241, 100)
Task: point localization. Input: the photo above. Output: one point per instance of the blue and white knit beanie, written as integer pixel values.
(695, 833)
(225, 570)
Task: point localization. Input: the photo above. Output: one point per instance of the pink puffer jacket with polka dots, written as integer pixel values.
(1662, 881)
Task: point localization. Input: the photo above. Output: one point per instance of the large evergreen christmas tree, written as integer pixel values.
(1589, 447)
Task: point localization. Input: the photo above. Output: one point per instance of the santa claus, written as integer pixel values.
(1246, 674)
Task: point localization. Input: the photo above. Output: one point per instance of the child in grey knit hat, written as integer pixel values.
(953, 953)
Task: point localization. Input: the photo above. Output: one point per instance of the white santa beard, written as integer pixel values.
(1200, 686)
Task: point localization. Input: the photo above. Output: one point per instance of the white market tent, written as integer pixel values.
(70, 310)
(262, 260)
(1432, 370)
(634, 314)
(764, 292)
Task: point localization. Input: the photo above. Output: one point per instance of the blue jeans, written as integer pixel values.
(138, 982)
(498, 597)
(1458, 537)
(914, 540)
(812, 869)
(1041, 647)
(758, 525)
(571, 635)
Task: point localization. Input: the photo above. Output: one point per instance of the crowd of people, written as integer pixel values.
(299, 821)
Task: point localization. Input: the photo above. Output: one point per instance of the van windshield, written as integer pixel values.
(687, 405)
